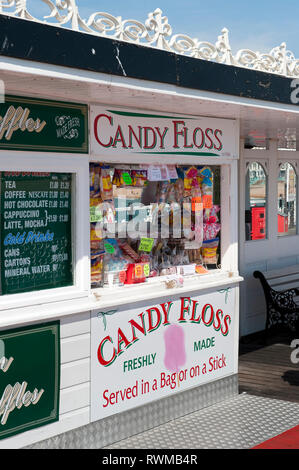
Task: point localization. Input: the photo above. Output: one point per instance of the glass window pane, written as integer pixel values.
(286, 200)
(255, 202)
(150, 221)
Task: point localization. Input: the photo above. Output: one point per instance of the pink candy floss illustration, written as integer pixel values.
(175, 354)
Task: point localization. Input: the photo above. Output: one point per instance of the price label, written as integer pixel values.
(146, 244)
(127, 178)
(186, 269)
(95, 214)
(109, 248)
(172, 173)
(146, 270)
(207, 201)
(196, 204)
(164, 173)
(154, 173)
(139, 271)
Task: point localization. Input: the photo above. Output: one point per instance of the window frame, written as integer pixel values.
(57, 163)
(264, 167)
(293, 164)
(229, 241)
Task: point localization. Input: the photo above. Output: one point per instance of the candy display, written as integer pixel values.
(211, 225)
(139, 178)
(95, 191)
(209, 255)
(96, 243)
(209, 251)
(118, 179)
(174, 281)
(97, 260)
(137, 272)
(106, 184)
(128, 251)
(178, 210)
(114, 263)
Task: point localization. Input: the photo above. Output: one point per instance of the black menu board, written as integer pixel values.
(36, 231)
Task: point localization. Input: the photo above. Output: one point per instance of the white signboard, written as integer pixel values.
(119, 131)
(144, 354)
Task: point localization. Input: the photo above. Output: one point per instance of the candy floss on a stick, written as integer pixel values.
(175, 354)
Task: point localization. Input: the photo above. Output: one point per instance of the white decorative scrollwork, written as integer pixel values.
(111, 26)
(133, 31)
(224, 50)
(157, 32)
(20, 8)
(158, 25)
(6, 4)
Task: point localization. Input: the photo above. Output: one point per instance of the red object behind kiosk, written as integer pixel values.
(282, 222)
(135, 273)
(258, 223)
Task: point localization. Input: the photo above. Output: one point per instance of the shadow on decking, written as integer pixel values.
(267, 369)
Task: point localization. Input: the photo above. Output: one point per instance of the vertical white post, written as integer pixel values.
(229, 211)
(272, 195)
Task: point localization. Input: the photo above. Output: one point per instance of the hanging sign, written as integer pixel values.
(125, 131)
(43, 125)
(146, 244)
(29, 378)
(143, 354)
(127, 178)
(95, 214)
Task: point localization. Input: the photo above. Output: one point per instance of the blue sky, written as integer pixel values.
(257, 24)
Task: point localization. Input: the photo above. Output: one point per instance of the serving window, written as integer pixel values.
(152, 221)
(36, 231)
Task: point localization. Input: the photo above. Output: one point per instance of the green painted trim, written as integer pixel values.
(203, 154)
(157, 116)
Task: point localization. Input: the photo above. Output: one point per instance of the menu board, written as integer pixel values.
(36, 231)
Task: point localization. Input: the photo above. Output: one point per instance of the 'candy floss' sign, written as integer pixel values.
(124, 131)
(146, 353)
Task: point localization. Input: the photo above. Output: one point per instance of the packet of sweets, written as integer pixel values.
(207, 186)
(209, 251)
(139, 178)
(106, 184)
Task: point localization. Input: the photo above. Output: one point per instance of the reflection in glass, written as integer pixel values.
(255, 202)
(286, 200)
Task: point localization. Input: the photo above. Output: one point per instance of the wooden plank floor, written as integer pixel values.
(267, 370)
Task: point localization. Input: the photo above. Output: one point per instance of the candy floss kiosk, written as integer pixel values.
(128, 256)
(119, 249)
(166, 330)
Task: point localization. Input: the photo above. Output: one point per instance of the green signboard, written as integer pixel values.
(43, 125)
(29, 378)
(36, 231)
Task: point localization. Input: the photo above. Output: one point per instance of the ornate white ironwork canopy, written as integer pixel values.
(156, 32)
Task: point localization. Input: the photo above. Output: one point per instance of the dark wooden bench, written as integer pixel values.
(281, 289)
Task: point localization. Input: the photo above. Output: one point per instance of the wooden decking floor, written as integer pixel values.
(267, 370)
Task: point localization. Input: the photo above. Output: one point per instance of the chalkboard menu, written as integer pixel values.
(36, 231)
